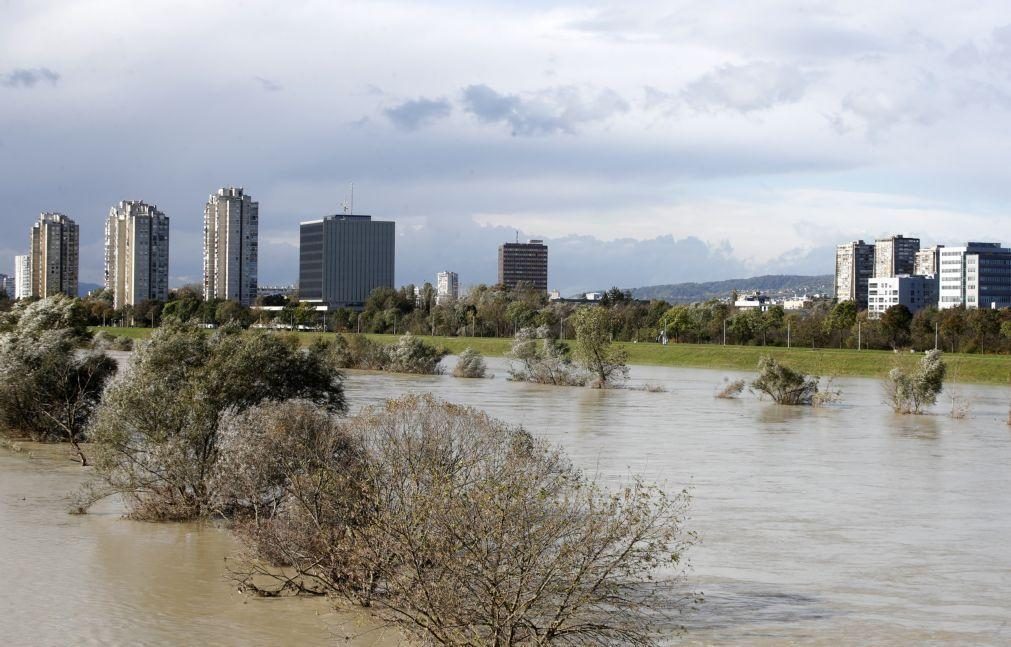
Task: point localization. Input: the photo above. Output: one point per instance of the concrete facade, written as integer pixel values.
(928, 261)
(343, 258)
(55, 256)
(231, 246)
(895, 255)
(854, 265)
(447, 287)
(136, 253)
(22, 276)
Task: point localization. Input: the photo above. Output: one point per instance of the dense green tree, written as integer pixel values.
(594, 350)
(49, 386)
(895, 324)
(156, 431)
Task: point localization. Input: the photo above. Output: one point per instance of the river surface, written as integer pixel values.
(840, 525)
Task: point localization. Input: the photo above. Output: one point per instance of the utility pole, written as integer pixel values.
(724, 332)
(935, 335)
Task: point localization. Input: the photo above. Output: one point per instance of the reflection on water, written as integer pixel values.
(840, 525)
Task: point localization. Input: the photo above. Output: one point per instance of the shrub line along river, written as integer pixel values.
(840, 525)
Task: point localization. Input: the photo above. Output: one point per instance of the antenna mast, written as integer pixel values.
(349, 207)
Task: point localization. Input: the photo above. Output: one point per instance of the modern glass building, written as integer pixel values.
(523, 263)
(976, 275)
(343, 258)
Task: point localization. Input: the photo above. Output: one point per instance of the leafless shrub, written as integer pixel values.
(453, 527)
(731, 388)
(960, 405)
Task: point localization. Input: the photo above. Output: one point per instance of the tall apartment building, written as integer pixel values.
(914, 292)
(231, 250)
(55, 252)
(7, 286)
(928, 261)
(22, 276)
(136, 253)
(976, 275)
(854, 265)
(343, 258)
(523, 263)
(895, 255)
(447, 287)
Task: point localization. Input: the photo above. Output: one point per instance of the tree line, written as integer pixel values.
(493, 311)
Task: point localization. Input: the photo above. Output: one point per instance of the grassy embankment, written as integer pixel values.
(982, 369)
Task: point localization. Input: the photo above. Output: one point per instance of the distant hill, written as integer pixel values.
(773, 284)
(84, 289)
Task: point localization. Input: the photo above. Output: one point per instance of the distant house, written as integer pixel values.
(757, 301)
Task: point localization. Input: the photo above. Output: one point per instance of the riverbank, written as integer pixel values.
(974, 369)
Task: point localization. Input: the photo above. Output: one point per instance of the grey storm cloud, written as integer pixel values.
(413, 114)
(744, 88)
(29, 77)
(553, 110)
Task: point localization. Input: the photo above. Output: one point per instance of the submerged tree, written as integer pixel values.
(470, 364)
(788, 386)
(453, 527)
(156, 431)
(412, 355)
(594, 350)
(537, 357)
(409, 355)
(911, 392)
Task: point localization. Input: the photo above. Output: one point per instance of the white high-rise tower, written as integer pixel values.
(231, 229)
(136, 253)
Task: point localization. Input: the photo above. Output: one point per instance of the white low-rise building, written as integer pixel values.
(754, 302)
(914, 292)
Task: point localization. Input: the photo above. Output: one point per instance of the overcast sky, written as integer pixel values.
(697, 141)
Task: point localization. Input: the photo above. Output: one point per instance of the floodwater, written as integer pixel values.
(840, 525)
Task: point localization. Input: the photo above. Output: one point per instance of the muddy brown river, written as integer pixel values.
(841, 525)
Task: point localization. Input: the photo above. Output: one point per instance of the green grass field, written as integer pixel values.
(981, 369)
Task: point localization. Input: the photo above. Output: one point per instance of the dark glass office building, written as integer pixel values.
(523, 263)
(343, 258)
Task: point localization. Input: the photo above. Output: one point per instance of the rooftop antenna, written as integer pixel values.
(349, 207)
(517, 235)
